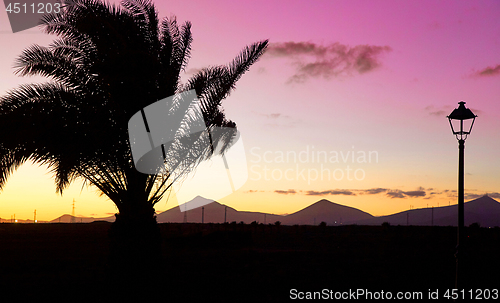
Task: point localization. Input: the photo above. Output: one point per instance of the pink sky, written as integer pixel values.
(421, 58)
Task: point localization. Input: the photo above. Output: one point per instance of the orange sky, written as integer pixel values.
(426, 57)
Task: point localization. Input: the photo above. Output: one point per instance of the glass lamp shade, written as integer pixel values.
(461, 121)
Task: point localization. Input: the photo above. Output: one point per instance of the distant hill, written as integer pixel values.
(328, 212)
(3, 220)
(484, 210)
(67, 219)
(214, 213)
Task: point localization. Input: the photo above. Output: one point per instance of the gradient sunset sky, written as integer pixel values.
(339, 78)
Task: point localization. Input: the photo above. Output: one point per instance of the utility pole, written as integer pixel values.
(432, 217)
(34, 218)
(202, 215)
(73, 213)
(185, 214)
(460, 232)
(225, 214)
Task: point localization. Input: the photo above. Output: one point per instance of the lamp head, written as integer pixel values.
(461, 121)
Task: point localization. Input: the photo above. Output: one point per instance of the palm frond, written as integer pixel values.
(38, 60)
(146, 18)
(183, 52)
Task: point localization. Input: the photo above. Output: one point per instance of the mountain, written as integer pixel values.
(67, 219)
(214, 212)
(328, 212)
(484, 210)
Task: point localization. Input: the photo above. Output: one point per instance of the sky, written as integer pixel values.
(348, 103)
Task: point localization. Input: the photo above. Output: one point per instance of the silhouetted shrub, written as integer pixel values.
(277, 223)
(386, 224)
(475, 225)
(322, 224)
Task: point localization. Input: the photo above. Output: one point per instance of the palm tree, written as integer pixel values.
(108, 63)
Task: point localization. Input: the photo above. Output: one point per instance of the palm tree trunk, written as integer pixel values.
(135, 248)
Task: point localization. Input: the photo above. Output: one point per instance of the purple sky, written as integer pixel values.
(339, 77)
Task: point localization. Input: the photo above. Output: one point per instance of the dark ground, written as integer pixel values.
(240, 263)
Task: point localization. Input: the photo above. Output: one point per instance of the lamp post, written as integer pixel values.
(461, 122)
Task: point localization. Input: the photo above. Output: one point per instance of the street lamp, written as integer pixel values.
(461, 122)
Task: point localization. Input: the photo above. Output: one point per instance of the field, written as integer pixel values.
(237, 262)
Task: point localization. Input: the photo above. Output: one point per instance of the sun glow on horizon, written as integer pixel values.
(349, 104)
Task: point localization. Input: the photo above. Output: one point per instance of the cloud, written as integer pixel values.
(254, 191)
(415, 193)
(275, 116)
(399, 194)
(279, 120)
(395, 194)
(286, 192)
(443, 111)
(330, 192)
(470, 196)
(315, 61)
(476, 111)
(193, 71)
(286, 49)
(494, 195)
(434, 25)
(440, 113)
(488, 71)
(428, 193)
(373, 191)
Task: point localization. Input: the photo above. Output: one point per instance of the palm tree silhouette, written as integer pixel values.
(108, 63)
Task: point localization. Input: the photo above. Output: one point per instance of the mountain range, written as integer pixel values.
(484, 210)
